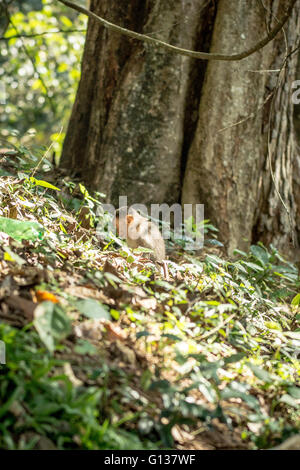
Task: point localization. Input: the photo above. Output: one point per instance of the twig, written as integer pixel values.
(264, 71)
(45, 154)
(250, 116)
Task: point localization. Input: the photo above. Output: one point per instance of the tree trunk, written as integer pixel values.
(227, 165)
(296, 167)
(126, 133)
(146, 123)
(104, 57)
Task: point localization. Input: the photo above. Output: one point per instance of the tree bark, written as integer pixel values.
(227, 167)
(148, 125)
(296, 166)
(126, 133)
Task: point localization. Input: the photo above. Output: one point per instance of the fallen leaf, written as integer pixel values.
(43, 296)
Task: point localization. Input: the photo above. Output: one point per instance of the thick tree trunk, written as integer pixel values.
(296, 169)
(275, 222)
(104, 57)
(126, 133)
(227, 166)
(146, 124)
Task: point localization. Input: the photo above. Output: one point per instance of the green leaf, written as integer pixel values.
(85, 347)
(229, 392)
(253, 266)
(112, 279)
(292, 334)
(260, 373)
(294, 392)
(115, 314)
(172, 337)
(249, 399)
(11, 256)
(51, 322)
(288, 400)
(10, 400)
(66, 21)
(240, 267)
(160, 384)
(21, 230)
(234, 358)
(43, 183)
(208, 392)
(93, 309)
(296, 300)
(214, 260)
(259, 253)
(239, 252)
(142, 333)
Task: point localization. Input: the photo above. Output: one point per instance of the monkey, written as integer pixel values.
(141, 232)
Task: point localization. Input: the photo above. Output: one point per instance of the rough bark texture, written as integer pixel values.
(126, 132)
(146, 123)
(225, 161)
(296, 169)
(103, 60)
(273, 224)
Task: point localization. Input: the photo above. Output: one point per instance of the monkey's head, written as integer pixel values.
(122, 221)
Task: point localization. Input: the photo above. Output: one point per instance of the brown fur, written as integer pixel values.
(140, 232)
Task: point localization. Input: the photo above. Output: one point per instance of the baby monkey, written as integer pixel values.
(141, 232)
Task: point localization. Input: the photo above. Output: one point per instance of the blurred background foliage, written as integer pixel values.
(41, 47)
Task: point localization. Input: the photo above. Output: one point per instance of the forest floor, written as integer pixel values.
(104, 353)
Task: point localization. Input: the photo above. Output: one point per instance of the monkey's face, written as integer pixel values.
(122, 224)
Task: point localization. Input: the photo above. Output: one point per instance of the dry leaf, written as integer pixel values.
(43, 296)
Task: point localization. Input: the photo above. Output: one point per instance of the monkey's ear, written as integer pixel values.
(129, 219)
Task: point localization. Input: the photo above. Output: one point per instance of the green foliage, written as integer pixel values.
(21, 230)
(92, 309)
(52, 323)
(116, 357)
(40, 72)
(36, 401)
(113, 356)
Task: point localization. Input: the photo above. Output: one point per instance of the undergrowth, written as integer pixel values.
(103, 353)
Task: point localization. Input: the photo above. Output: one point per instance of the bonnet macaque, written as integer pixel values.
(141, 232)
